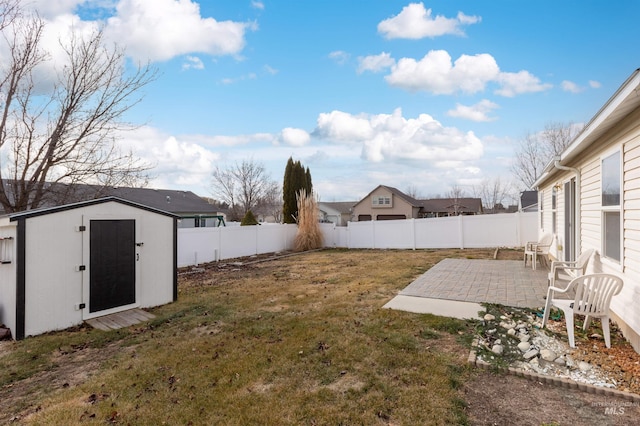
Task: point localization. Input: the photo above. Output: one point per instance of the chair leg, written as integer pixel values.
(569, 317)
(606, 331)
(547, 308)
(587, 322)
(534, 259)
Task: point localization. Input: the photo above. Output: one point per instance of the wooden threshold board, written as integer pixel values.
(120, 319)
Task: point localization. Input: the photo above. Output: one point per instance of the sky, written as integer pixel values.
(421, 96)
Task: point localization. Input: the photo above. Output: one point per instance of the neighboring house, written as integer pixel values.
(589, 198)
(444, 207)
(387, 203)
(528, 201)
(193, 210)
(63, 265)
(338, 213)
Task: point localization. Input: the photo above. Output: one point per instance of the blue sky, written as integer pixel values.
(424, 95)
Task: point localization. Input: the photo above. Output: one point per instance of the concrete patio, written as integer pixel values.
(456, 287)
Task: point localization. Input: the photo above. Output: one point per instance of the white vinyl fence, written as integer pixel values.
(201, 245)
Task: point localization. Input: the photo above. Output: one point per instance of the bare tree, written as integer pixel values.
(244, 186)
(412, 191)
(65, 135)
(537, 150)
(455, 193)
(493, 193)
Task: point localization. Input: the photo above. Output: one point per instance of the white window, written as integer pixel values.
(541, 202)
(381, 201)
(611, 203)
(6, 250)
(554, 201)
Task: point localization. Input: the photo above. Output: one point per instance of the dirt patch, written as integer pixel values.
(72, 366)
(501, 399)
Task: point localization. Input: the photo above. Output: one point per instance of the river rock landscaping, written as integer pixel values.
(510, 337)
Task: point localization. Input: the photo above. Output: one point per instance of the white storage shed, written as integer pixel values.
(63, 265)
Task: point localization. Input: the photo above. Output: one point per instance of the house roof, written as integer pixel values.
(448, 205)
(56, 209)
(174, 201)
(528, 198)
(343, 207)
(412, 201)
(622, 103)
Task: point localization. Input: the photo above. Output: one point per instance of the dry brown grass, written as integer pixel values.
(299, 340)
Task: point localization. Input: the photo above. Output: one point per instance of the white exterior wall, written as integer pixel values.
(54, 249)
(8, 278)
(626, 138)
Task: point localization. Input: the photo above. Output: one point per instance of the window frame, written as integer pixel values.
(612, 208)
(541, 203)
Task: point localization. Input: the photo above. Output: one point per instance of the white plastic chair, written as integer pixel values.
(593, 297)
(568, 270)
(533, 249)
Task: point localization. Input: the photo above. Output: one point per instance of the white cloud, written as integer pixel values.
(233, 80)
(270, 70)
(520, 82)
(294, 137)
(391, 137)
(375, 63)
(435, 73)
(178, 162)
(415, 22)
(477, 112)
(339, 56)
(163, 29)
(344, 127)
(192, 62)
(594, 84)
(570, 86)
(49, 9)
(257, 4)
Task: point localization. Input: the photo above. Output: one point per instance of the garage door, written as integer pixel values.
(390, 217)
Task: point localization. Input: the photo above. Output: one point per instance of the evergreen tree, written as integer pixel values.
(248, 219)
(296, 177)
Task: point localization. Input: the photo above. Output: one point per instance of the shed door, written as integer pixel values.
(112, 264)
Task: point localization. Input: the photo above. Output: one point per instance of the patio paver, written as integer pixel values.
(507, 282)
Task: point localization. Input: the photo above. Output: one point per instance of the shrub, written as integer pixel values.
(248, 219)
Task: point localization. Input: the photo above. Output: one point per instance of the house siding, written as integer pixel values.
(625, 137)
(398, 206)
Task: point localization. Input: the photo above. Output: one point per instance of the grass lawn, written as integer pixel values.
(300, 340)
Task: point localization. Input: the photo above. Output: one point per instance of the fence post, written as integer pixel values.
(461, 231)
(373, 233)
(413, 231)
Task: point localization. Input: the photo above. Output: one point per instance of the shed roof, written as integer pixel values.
(50, 210)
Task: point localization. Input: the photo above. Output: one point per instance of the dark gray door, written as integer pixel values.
(112, 265)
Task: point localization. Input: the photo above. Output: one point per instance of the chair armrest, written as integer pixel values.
(558, 289)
